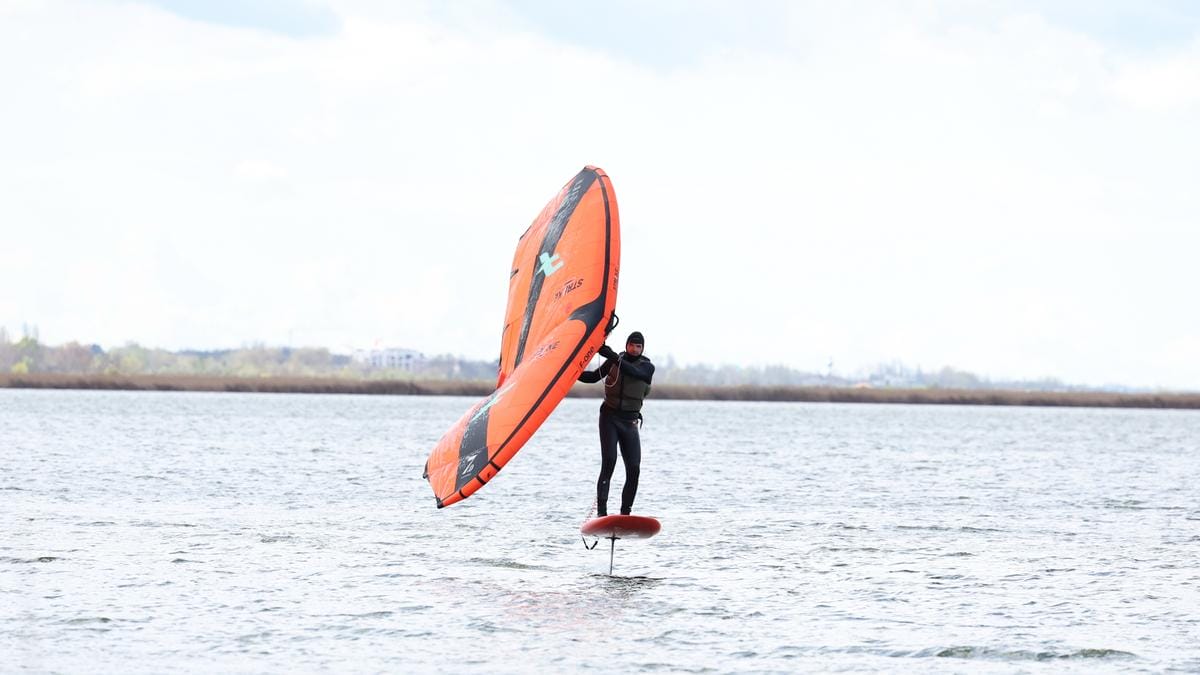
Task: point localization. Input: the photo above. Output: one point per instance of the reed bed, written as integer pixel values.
(273, 385)
(330, 385)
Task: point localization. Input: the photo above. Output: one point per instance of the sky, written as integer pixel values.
(1008, 188)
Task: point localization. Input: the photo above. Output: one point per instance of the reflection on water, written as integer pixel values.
(146, 531)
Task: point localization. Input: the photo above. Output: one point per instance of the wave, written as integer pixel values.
(992, 653)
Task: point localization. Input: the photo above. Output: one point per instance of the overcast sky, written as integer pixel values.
(985, 185)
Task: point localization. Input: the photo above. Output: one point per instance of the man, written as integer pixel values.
(626, 384)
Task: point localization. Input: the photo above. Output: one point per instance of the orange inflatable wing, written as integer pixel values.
(561, 295)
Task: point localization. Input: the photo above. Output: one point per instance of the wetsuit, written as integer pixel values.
(626, 384)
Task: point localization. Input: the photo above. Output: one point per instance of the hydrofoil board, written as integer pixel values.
(622, 527)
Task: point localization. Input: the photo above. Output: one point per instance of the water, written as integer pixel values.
(146, 532)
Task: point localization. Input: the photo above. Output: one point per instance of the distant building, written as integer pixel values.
(390, 359)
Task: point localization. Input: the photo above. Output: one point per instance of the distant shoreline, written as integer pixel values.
(332, 385)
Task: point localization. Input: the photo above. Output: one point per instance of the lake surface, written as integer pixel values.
(152, 532)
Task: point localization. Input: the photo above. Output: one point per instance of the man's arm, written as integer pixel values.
(642, 369)
(593, 376)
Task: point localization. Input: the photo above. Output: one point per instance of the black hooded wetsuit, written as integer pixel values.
(626, 384)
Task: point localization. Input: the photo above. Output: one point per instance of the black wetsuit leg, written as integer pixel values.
(631, 455)
(608, 461)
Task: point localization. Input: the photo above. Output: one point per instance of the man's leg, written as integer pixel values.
(631, 455)
(608, 462)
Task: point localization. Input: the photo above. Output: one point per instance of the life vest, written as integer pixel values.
(624, 394)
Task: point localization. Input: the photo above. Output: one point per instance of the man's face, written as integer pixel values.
(633, 349)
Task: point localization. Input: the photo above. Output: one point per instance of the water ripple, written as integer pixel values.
(249, 533)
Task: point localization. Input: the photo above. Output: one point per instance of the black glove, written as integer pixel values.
(607, 352)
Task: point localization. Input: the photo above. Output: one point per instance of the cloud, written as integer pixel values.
(985, 190)
(293, 18)
(259, 171)
(1168, 83)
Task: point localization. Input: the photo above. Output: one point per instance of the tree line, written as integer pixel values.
(29, 356)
